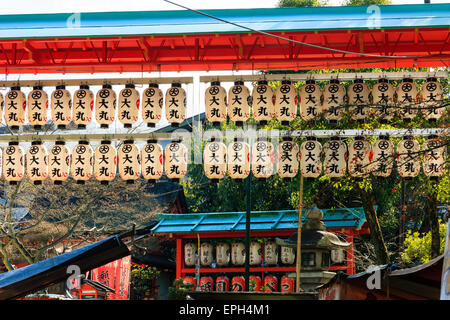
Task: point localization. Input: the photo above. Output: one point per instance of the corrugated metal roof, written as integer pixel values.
(104, 24)
(260, 220)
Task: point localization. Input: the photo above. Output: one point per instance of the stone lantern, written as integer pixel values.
(316, 246)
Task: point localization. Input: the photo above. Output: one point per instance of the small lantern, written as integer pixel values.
(81, 165)
(310, 158)
(15, 105)
(175, 104)
(222, 254)
(255, 283)
(383, 157)
(215, 160)
(287, 255)
(270, 252)
(407, 97)
(383, 100)
(129, 161)
(287, 284)
(191, 281)
(152, 161)
(61, 107)
(105, 106)
(190, 254)
(270, 283)
(152, 104)
(36, 162)
(206, 284)
(334, 101)
(310, 101)
(358, 100)
(287, 157)
(408, 157)
(335, 158)
(239, 101)
(432, 100)
(37, 107)
(105, 162)
(262, 159)
(175, 160)
(263, 102)
(206, 254)
(337, 256)
(359, 157)
(59, 163)
(434, 153)
(83, 106)
(238, 160)
(222, 284)
(216, 103)
(129, 101)
(238, 253)
(238, 284)
(13, 163)
(286, 101)
(255, 253)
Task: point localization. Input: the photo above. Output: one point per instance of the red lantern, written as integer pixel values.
(238, 284)
(255, 283)
(222, 284)
(270, 284)
(190, 281)
(206, 284)
(287, 284)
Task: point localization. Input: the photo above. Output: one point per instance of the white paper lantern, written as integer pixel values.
(15, 105)
(239, 101)
(270, 252)
(175, 160)
(337, 256)
(334, 101)
(36, 162)
(238, 160)
(128, 109)
(310, 101)
(216, 103)
(190, 254)
(83, 106)
(383, 157)
(59, 163)
(129, 161)
(82, 162)
(13, 163)
(310, 158)
(359, 157)
(335, 158)
(105, 106)
(152, 105)
(255, 254)
(238, 253)
(215, 160)
(223, 254)
(383, 100)
(408, 157)
(152, 160)
(287, 255)
(286, 101)
(263, 102)
(434, 155)
(105, 162)
(61, 107)
(288, 159)
(206, 253)
(358, 100)
(432, 100)
(407, 97)
(262, 159)
(175, 104)
(37, 107)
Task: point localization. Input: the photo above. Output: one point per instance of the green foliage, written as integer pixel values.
(366, 2)
(179, 290)
(418, 246)
(141, 278)
(302, 3)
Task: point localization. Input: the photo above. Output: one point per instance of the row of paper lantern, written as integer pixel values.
(359, 158)
(383, 101)
(80, 107)
(237, 283)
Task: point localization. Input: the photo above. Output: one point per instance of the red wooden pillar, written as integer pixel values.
(179, 258)
(350, 254)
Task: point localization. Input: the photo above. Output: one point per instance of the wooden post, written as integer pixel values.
(247, 231)
(299, 235)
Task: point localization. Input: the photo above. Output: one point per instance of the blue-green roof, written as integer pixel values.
(259, 221)
(107, 24)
